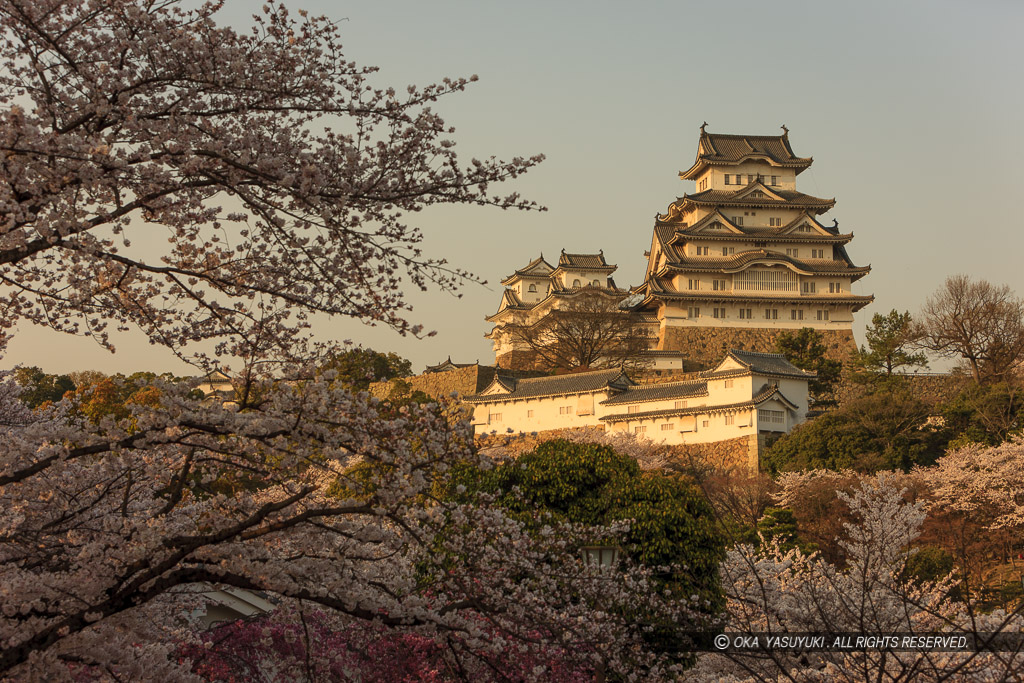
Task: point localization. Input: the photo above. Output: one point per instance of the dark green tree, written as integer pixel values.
(780, 524)
(40, 387)
(806, 350)
(358, 367)
(884, 430)
(890, 339)
(985, 413)
(671, 522)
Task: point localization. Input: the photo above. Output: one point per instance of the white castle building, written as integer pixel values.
(747, 394)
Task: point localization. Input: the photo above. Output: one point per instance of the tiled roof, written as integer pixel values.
(790, 198)
(718, 148)
(672, 232)
(584, 261)
(578, 383)
(726, 148)
(761, 397)
(659, 392)
(538, 267)
(767, 363)
(737, 261)
(777, 298)
(444, 366)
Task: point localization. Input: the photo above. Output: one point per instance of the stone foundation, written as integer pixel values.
(709, 345)
(463, 381)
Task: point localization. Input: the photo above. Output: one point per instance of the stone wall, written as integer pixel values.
(741, 454)
(463, 381)
(932, 388)
(710, 344)
(732, 455)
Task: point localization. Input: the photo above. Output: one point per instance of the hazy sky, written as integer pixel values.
(911, 110)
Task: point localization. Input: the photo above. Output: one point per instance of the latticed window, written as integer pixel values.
(765, 280)
(774, 416)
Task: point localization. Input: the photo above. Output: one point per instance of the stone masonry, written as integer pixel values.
(710, 344)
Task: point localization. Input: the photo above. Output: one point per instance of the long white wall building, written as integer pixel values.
(748, 393)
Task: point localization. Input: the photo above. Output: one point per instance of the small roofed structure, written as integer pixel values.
(748, 393)
(447, 365)
(538, 288)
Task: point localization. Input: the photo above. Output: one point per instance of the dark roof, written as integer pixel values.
(737, 261)
(719, 148)
(584, 261)
(767, 363)
(538, 267)
(577, 383)
(659, 392)
(674, 232)
(761, 397)
(789, 198)
(447, 365)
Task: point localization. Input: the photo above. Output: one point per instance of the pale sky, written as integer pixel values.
(911, 110)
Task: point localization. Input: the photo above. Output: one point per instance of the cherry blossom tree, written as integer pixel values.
(282, 178)
(280, 173)
(783, 592)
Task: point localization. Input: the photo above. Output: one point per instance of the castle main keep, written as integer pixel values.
(742, 259)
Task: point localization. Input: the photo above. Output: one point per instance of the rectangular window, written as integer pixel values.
(693, 312)
(823, 315)
(680, 404)
(632, 409)
(726, 178)
(774, 222)
(730, 383)
(667, 427)
(817, 253)
(529, 413)
(565, 410)
(494, 417)
(808, 287)
(771, 314)
(694, 283)
(718, 312)
(704, 423)
(796, 315)
(775, 180)
(640, 429)
(737, 220)
(746, 314)
(730, 419)
(718, 285)
(775, 416)
(795, 253)
(750, 179)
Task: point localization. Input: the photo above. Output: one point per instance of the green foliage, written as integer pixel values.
(806, 350)
(929, 563)
(672, 522)
(780, 524)
(987, 414)
(890, 338)
(883, 430)
(40, 387)
(358, 367)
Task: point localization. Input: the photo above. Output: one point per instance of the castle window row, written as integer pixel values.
(737, 179)
(721, 313)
